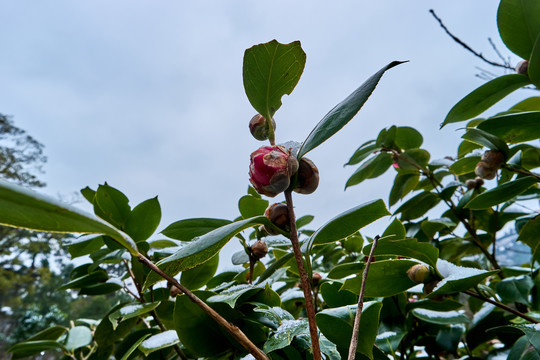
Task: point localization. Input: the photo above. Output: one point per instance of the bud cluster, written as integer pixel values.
(491, 162)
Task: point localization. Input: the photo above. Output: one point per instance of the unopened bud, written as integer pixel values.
(487, 167)
(419, 273)
(307, 177)
(278, 214)
(258, 126)
(317, 277)
(522, 67)
(259, 249)
(471, 184)
(271, 169)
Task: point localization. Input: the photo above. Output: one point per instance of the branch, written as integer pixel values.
(502, 306)
(233, 330)
(306, 287)
(356, 328)
(467, 47)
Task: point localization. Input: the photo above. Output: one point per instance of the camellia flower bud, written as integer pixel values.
(316, 279)
(278, 214)
(522, 67)
(419, 273)
(174, 291)
(491, 161)
(258, 126)
(271, 169)
(259, 249)
(307, 177)
(471, 184)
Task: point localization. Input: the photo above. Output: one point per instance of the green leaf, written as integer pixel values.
(501, 193)
(487, 95)
(304, 220)
(78, 337)
(404, 183)
(532, 331)
(251, 206)
(437, 305)
(441, 317)
(372, 168)
(514, 128)
(198, 276)
(408, 138)
(285, 334)
(530, 235)
(52, 333)
(515, 289)
(394, 231)
(530, 158)
(28, 348)
(342, 113)
(108, 287)
(363, 152)
(86, 280)
(417, 206)
(337, 325)
(413, 156)
(20, 207)
(202, 249)
(143, 220)
(529, 104)
(270, 71)
(349, 222)
(270, 270)
(113, 205)
(465, 165)
(486, 139)
(159, 341)
(385, 278)
(134, 346)
(232, 294)
(88, 194)
(85, 245)
(130, 311)
(519, 25)
(188, 229)
(334, 297)
(343, 270)
(410, 248)
(458, 278)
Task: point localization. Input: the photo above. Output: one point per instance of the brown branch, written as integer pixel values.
(502, 306)
(467, 47)
(233, 330)
(356, 327)
(306, 287)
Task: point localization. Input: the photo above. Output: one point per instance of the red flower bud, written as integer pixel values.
(278, 214)
(271, 168)
(258, 126)
(307, 177)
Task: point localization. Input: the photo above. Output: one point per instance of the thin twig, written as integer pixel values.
(306, 287)
(467, 47)
(233, 330)
(356, 327)
(502, 306)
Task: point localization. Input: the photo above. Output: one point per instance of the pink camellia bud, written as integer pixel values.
(271, 168)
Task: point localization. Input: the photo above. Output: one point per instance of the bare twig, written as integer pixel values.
(467, 47)
(356, 327)
(306, 287)
(502, 306)
(232, 329)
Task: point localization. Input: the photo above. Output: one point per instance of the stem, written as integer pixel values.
(233, 330)
(502, 306)
(521, 171)
(356, 327)
(306, 287)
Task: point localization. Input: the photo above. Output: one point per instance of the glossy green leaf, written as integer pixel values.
(466, 147)
(458, 278)
(134, 346)
(28, 348)
(341, 271)
(188, 229)
(159, 341)
(363, 152)
(530, 235)
(501, 193)
(143, 220)
(486, 139)
(342, 113)
(108, 287)
(52, 333)
(20, 207)
(270, 270)
(519, 25)
(88, 194)
(198, 276)
(385, 278)
(251, 206)
(334, 297)
(85, 245)
(130, 311)
(394, 231)
(417, 206)
(529, 104)
(465, 165)
(532, 331)
(349, 222)
(514, 128)
(437, 305)
(304, 221)
(410, 248)
(487, 95)
(515, 289)
(78, 337)
(337, 325)
(408, 138)
(404, 183)
(530, 158)
(441, 317)
(86, 280)
(232, 294)
(285, 334)
(270, 71)
(411, 159)
(202, 249)
(372, 168)
(113, 205)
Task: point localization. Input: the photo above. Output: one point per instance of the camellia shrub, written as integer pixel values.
(454, 275)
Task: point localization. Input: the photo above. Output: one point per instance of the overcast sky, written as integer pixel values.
(148, 95)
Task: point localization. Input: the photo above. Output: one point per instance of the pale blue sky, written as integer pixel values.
(148, 95)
